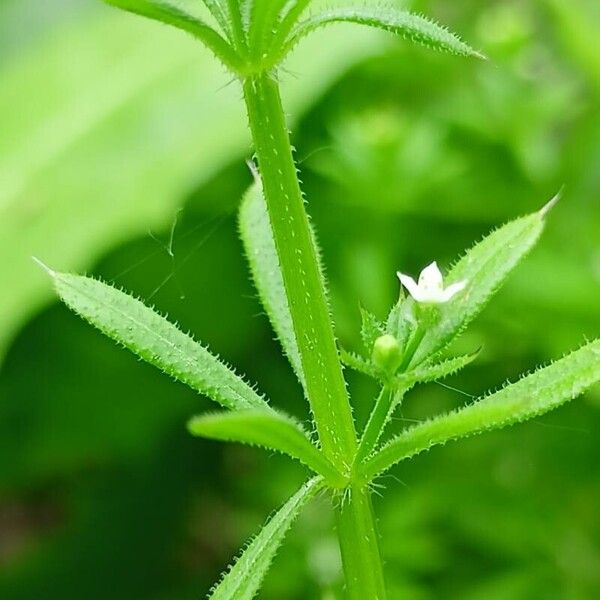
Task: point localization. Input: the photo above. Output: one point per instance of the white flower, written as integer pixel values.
(430, 289)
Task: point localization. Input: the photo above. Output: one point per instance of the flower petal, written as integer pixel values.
(431, 277)
(411, 285)
(452, 290)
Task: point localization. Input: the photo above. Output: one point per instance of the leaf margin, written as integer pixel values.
(401, 447)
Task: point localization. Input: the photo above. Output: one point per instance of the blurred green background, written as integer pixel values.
(121, 140)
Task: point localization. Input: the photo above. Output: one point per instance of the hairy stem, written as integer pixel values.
(360, 546)
(412, 347)
(325, 386)
(307, 301)
(388, 398)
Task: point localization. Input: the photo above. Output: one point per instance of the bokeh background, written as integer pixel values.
(122, 150)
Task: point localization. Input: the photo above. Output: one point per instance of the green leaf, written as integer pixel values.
(371, 328)
(220, 14)
(401, 320)
(238, 33)
(576, 23)
(437, 370)
(410, 26)
(171, 15)
(294, 12)
(257, 237)
(484, 267)
(263, 22)
(531, 396)
(244, 578)
(109, 112)
(131, 323)
(268, 429)
(358, 363)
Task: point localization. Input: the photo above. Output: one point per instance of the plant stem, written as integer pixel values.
(305, 291)
(375, 424)
(325, 386)
(360, 546)
(412, 347)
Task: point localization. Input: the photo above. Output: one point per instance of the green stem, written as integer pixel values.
(305, 292)
(325, 386)
(412, 347)
(377, 420)
(360, 546)
(427, 317)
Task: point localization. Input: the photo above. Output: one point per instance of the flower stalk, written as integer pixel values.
(388, 399)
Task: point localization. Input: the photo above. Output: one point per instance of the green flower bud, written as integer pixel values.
(387, 354)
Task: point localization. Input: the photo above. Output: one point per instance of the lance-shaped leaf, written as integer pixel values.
(220, 14)
(154, 339)
(531, 396)
(295, 8)
(235, 9)
(359, 363)
(244, 578)
(484, 267)
(171, 15)
(370, 329)
(263, 22)
(410, 26)
(268, 429)
(257, 237)
(437, 370)
(401, 320)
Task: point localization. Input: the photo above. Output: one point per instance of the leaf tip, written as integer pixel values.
(252, 167)
(552, 202)
(193, 425)
(43, 266)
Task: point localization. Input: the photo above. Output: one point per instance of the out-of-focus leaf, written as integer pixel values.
(531, 396)
(153, 338)
(171, 15)
(132, 117)
(243, 580)
(577, 24)
(268, 429)
(220, 14)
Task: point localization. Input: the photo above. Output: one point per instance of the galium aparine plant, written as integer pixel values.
(251, 38)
